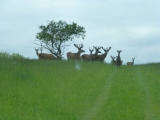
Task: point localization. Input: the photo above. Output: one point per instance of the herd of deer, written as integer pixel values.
(87, 57)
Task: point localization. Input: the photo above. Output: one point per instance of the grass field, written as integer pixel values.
(77, 90)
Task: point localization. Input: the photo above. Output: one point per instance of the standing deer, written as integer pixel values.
(103, 56)
(121, 60)
(88, 56)
(94, 56)
(45, 56)
(72, 56)
(131, 63)
(118, 60)
(114, 61)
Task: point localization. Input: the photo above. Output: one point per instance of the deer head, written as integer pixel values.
(79, 48)
(113, 59)
(91, 50)
(37, 52)
(106, 50)
(90, 56)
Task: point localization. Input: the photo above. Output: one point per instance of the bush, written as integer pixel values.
(6, 55)
(17, 56)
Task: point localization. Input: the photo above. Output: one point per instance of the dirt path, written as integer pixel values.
(149, 110)
(101, 100)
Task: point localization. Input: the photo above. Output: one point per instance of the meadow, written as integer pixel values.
(78, 90)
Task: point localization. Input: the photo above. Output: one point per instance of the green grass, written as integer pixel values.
(77, 90)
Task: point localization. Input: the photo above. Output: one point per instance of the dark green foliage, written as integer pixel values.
(5, 55)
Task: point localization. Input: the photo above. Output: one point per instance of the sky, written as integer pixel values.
(129, 25)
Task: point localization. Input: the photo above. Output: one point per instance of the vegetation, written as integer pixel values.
(77, 90)
(56, 36)
(5, 55)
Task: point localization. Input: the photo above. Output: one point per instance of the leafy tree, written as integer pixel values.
(56, 36)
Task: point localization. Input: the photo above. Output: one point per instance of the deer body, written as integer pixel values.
(114, 61)
(87, 56)
(118, 60)
(121, 60)
(131, 63)
(94, 56)
(45, 56)
(72, 56)
(103, 56)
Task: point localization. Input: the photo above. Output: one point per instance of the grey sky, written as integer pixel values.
(129, 25)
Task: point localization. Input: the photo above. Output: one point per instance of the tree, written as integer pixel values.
(56, 36)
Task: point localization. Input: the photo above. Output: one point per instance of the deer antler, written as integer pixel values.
(91, 50)
(105, 49)
(36, 49)
(81, 46)
(113, 57)
(78, 46)
(97, 48)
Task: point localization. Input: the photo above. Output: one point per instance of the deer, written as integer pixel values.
(88, 56)
(121, 60)
(118, 59)
(131, 63)
(94, 56)
(103, 56)
(72, 56)
(114, 61)
(45, 56)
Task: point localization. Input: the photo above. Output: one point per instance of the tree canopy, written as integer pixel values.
(56, 36)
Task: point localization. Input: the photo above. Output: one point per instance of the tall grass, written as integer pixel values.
(77, 90)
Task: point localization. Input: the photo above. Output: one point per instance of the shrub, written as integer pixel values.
(6, 55)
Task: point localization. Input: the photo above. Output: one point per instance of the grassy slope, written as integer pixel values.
(46, 90)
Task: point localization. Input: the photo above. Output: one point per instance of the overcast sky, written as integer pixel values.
(132, 26)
